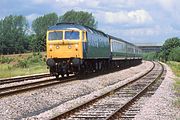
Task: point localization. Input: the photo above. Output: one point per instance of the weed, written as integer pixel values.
(175, 66)
(6, 59)
(177, 103)
(22, 63)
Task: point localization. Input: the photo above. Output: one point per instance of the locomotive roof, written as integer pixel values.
(67, 26)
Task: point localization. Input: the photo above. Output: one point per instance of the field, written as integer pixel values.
(22, 64)
(175, 66)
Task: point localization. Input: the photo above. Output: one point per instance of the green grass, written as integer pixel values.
(175, 66)
(18, 65)
(177, 92)
(8, 70)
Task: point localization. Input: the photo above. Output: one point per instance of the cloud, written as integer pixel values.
(32, 17)
(69, 2)
(138, 32)
(167, 4)
(93, 3)
(38, 2)
(135, 32)
(126, 17)
(154, 33)
(78, 3)
(116, 4)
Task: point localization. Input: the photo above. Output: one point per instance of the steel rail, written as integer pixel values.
(74, 109)
(6, 91)
(24, 78)
(120, 111)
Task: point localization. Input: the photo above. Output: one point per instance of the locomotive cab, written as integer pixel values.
(64, 44)
(64, 50)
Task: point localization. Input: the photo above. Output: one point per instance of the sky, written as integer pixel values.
(136, 21)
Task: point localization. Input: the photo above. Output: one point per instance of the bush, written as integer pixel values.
(150, 56)
(23, 63)
(6, 59)
(32, 59)
(35, 58)
(174, 54)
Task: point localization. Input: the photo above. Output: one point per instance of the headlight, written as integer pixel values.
(57, 46)
(69, 46)
(76, 45)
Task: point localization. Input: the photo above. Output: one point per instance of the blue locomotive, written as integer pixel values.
(73, 48)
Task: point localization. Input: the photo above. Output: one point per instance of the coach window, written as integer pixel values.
(55, 35)
(72, 35)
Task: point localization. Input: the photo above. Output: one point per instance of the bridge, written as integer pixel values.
(149, 47)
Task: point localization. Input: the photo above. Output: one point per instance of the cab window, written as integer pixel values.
(72, 35)
(55, 35)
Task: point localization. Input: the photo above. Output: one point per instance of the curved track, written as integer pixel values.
(114, 103)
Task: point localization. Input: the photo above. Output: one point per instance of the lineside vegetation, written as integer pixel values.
(175, 66)
(22, 64)
(170, 51)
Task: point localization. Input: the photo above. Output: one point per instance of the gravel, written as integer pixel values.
(38, 101)
(160, 106)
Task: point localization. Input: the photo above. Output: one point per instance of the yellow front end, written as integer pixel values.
(64, 44)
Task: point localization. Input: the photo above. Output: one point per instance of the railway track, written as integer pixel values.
(25, 78)
(15, 89)
(10, 90)
(114, 104)
(33, 77)
(132, 110)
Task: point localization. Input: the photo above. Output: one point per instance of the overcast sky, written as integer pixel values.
(137, 21)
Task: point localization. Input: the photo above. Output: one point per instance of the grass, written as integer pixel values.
(177, 92)
(18, 65)
(8, 70)
(175, 66)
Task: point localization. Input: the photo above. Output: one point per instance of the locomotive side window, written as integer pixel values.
(55, 36)
(72, 35)
(83, 35)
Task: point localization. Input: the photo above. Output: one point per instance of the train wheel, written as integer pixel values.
(62, 75)
(67, 74)
(57, 76)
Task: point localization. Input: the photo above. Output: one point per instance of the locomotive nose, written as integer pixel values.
(50, 62)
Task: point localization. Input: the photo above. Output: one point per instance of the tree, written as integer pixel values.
(2, 46)
(169, 45)
(13, 34)
(79, 17)
(150, 56)
(40, 26)
(174, 55)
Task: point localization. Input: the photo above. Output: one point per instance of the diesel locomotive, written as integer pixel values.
(77, 49)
